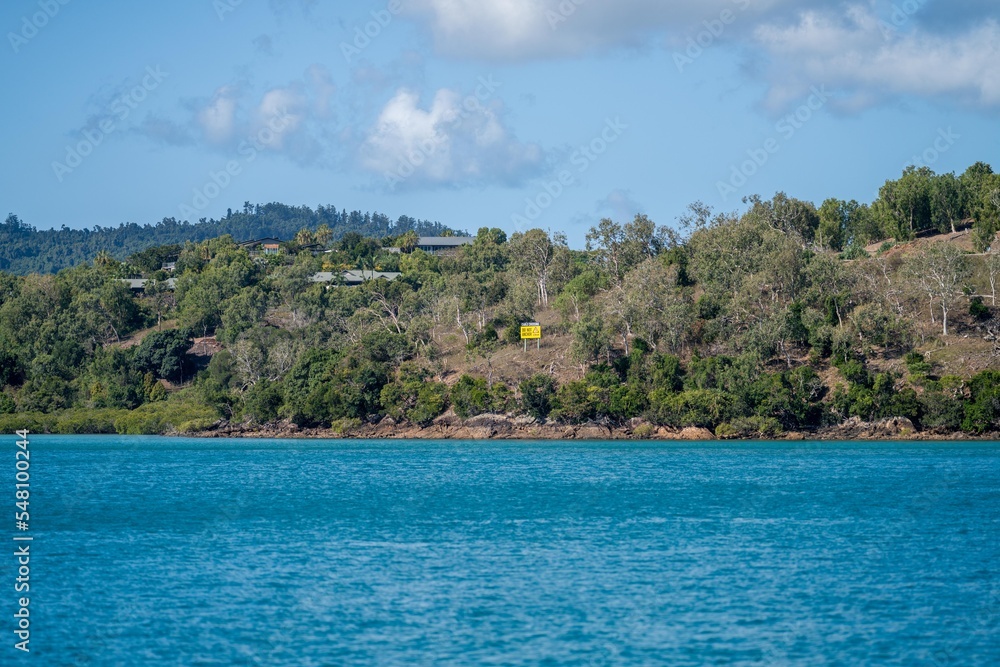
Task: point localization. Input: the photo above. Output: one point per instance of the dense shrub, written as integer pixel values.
(982, 412)
(432, 400)
(262, 401)
(979, 310)
(697, 407)
(749, 427)
(941, 410)
(578, 402)
(164, 353)
(471, 396)
(177, 414)
(537, 395)
(916, 364)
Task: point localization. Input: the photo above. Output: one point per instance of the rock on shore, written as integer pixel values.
(450, 426)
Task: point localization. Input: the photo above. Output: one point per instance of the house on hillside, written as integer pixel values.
(354, 277)
(261, 247)
(139, 284)
(314, 248)
(169, 263)
(440, 245)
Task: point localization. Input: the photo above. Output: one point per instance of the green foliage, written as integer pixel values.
(696, 407)
(710, 329)
(241, 313)
(29, 250)
(749, 427)
(115, 380)
(916, 364)
(853, 252)
(941, 410)
(324, 386)
(262, 402)
(578, 402)
(666, 373)
(982, 412)
(45, 394)
(36, 422)
(153, 258)
(216, 383)
(792, 398)
(164, 353)
(414, 396)
(979, 310)
(180, 414)
(86, 421)
(879, 399)
(537, 395)
(431, 401)
(473, 396)
(854, 371)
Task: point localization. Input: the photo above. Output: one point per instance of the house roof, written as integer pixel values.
(140, 283)
(451, 241)
(253, 242)
(354, 277)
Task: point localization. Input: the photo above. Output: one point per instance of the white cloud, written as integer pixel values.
(286, 104)
(320, 82)
(844, 45)
(522, 29)
(455, 141)
(217, 118)
(290, 119)
(620, 205)
(858, 57)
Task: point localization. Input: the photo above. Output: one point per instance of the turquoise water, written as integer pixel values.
(219, 552)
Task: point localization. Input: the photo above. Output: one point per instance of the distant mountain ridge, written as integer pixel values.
(24, 249)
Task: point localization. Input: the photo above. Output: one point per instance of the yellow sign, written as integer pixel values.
(531, 331)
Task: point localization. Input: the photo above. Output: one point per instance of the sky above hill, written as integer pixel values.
(509, 113)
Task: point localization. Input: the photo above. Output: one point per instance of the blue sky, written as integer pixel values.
(511, 113)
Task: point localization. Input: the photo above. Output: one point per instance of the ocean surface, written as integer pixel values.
(172, 551)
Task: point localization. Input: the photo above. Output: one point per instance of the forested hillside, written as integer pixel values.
(751, 324)
(24, 249)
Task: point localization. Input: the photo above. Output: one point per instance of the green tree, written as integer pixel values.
(164, 353)
(407, 243)
(904, 205)
(940, 271)
(537, 395)
(947, 202)
(531, 255)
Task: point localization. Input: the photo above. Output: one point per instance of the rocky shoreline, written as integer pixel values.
(505, 427)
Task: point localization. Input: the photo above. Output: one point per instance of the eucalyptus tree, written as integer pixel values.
(532, 254)
(904, 205)
(940, 271)
(993, 272)
(947, 202)
(619, 248)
